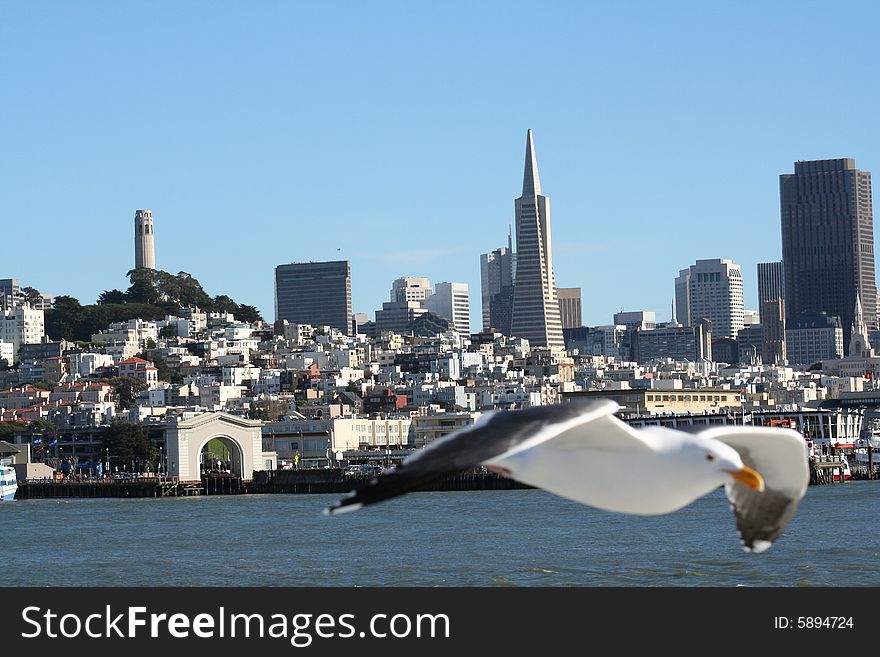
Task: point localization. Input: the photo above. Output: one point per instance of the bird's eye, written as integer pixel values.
(709, 457)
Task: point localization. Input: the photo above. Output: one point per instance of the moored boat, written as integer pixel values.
(8, 483)
(847, 473)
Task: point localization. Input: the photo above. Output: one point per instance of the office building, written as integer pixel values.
(828, 241)
(20, 325)
(813, 338)
(317, 293)
(773, 349)
(713, 290)
(497, 277)
(451, 301)
(771, 281)
(535, 307)
(569, 306)
(681, 343)
(411, 288)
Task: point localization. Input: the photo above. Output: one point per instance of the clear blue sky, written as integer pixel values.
(270, 132)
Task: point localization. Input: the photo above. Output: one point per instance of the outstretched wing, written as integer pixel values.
(780, 456)
(495, 434)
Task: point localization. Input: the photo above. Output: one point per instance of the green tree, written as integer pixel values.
(164, 372)
(32, 295)
(128, 445)
(150, 344)
(127, 389)
(268, 410)
(63, 320)
(153, 294)
(248, 314)
(183, 289)
(9, 428)
(141, 291)
(224, 304)
(112, 296)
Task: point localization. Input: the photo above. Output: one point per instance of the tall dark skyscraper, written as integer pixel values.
(535, 306)
(771, 281)
(828, 241)
(771, 304)
(317, 293)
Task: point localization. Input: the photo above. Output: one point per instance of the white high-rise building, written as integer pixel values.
(144, 244)
(713, 290)
(451, 301)
(410, 288)
(22, 325)
(535, 306)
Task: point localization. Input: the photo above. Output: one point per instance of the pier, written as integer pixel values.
(828, 470)
(825, 470)
(332, 480)
(135, 487)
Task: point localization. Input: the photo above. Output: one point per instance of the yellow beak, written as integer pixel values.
(748, 477)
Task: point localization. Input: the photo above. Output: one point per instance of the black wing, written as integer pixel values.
(780, 456)
(493, 435)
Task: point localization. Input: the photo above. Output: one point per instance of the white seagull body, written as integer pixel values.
(584, 453)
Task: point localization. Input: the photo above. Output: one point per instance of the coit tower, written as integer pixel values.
(144, 248)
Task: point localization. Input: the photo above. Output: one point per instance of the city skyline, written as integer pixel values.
(240, 183)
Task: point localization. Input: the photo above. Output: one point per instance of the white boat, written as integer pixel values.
(859, 457)
(8, 483)
(860, 460)
(847, 473)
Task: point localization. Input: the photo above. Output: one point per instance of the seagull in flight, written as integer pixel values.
(582, 452)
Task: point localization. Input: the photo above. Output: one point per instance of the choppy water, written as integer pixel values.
(497, 538)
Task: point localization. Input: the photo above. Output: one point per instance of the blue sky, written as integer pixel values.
(392, 134)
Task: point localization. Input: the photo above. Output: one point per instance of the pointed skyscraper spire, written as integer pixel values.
(859, 342)
(531, 181)
(535, 315)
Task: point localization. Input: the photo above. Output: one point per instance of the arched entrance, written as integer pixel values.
(240, 439)
(221, 455)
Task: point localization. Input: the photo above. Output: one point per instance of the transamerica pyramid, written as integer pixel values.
(535, 306)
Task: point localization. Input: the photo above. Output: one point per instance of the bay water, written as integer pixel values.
(480, 538)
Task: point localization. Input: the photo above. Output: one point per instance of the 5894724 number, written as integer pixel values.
(824, 622)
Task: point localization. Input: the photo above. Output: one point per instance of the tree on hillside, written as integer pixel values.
(127, 389)
(224, 304)
(152, 295)
(269, 410)
(248, 314)
(165, 373)
(112, 296)
(182, 289)
(63, 320)
(141, 290)
(32, 295)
